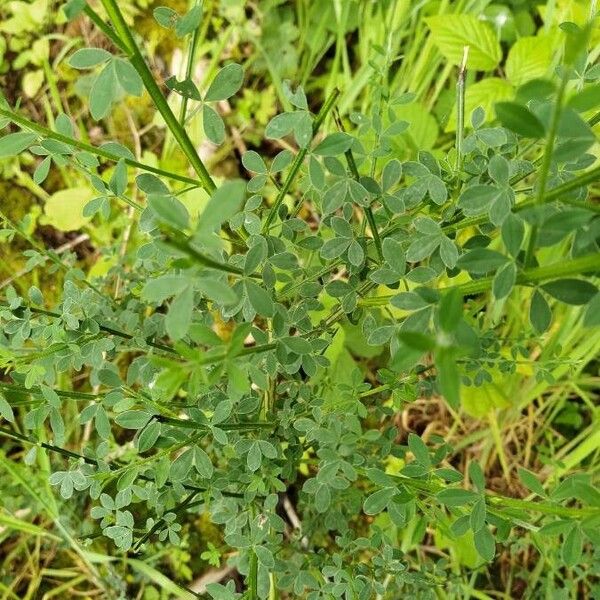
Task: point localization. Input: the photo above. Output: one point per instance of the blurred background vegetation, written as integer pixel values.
(543, 417)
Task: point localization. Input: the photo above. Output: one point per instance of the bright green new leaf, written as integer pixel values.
(452, 32)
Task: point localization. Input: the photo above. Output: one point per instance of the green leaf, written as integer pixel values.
(118, 180)
(128, 77)
(202, 463)
(378, 501)
(456, 497)
(423, 247)
(281, 125)
(163, 287)
(592, 313)
(571, 291)
(253, 162)
(531, 482)
(226, 83)
(148, 436)
(216, 290)
(189, 22)
(334, 248)
(334, 144)
(572, 548)
(179, 317)
(481, 260)
(513, 232)
(450, 311)
(223, 204)
(133, 419)
(529, 58)
(214, 128)
(170, 211)
(86, 58)
(539, 312)
(297, 345)
(103, 92)
(485, 544)
(419, 449)
(260, 300)
(15, 143)
(519, 119)
(182, 465)
(504, 280)
(166, 17)
(186, 88)
(254, 457)
(6, 412)
(452, 32)
(478, 515)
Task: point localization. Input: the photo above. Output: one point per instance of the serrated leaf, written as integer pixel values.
(452, 32)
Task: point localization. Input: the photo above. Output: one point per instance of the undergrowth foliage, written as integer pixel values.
(214, 379)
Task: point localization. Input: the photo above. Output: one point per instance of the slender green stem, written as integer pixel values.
(53, 135)
(547, 161)
(137, 61)
(368, 210)
(107, 30)
(460, 109)
(105, 328)
(193, 45)
(253, 576)
(325, 109)
(583, 264)
(206, 261)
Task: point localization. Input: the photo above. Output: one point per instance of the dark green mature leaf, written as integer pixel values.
(539, 312)
(259, 299)
(571, 291)
(592, 313)
(519, 119)
(531, 482)
(572, 548)
(481, 260)
(485, 544)
(419, 449)
(504, 280)
(226, 83)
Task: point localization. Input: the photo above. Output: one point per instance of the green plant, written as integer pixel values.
(218, 375)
